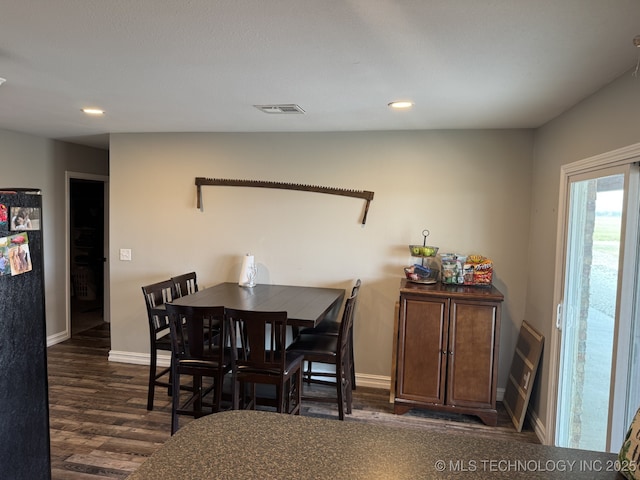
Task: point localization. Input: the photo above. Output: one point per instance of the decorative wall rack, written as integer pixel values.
(364, 194)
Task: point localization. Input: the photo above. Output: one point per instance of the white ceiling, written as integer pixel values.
(201, 65)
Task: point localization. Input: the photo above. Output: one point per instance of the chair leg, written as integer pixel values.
(175, 401)
(352, 362)
(348, 387)
(299, 391)
(281, 398)
(339, 392)
(288, 395)
(218, 393)
(197, 400)
(152, 377)
(246, 398)
(252, 401)
(309, 371)
(238, 394)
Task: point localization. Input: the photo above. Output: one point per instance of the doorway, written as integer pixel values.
(86, 222)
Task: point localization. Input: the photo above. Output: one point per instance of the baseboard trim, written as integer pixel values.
(57, 338)
(372, 381)
(538, 427)
(164, 359)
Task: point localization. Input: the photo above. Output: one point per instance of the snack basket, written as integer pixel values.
(422, 274)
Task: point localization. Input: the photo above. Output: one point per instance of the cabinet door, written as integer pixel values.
(421, 360)
(473, 354)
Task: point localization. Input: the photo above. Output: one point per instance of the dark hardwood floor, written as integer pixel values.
(100, 427)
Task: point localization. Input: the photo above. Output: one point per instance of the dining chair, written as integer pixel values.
(156, 296)
(331, 327)
(200, 343)
(185, 284)
(332, 349)
(264, 359)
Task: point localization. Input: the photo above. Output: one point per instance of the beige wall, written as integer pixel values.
(606, 121)
(471, 189)
(29, 161)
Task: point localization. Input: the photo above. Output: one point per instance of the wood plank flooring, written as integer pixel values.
(100, 427)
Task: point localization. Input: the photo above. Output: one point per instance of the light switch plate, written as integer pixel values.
(125, 254)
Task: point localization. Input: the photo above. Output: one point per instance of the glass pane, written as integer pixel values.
(591, 282)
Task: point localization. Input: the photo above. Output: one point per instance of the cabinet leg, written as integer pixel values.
(488, 418)
(400, 409)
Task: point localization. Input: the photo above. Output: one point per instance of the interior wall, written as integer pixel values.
(606, 121)
(31, 161)
(471, 189)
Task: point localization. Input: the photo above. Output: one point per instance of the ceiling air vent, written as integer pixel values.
(281, 109)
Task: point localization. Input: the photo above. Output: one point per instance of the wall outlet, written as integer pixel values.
(125, 254)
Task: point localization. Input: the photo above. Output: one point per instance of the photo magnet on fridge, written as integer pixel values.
(25, 218)
(4, 215)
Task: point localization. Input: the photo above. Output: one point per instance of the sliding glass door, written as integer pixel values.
(596, 379)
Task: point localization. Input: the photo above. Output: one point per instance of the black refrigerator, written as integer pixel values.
(24, 404)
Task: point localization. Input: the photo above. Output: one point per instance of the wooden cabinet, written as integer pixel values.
(447, 349)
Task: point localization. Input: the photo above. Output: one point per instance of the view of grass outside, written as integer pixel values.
(607, 229)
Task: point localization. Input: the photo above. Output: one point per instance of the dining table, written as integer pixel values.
(305, 306)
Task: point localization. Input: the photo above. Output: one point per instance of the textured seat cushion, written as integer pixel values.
(629, 455)
(293, 360)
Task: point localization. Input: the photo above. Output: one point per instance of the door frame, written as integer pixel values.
(69, 175)
(621, 156)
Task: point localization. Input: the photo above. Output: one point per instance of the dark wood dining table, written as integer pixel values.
(305, 306)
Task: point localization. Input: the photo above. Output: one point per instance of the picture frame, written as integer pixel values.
(24, 219)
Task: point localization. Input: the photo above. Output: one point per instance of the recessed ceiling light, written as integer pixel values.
(93, 111)
(401, 104)
(2, 80)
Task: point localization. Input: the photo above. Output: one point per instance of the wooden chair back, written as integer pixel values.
(198, 333)
(262, 336)
(185, 284)
(346, 326)
(156, 296)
